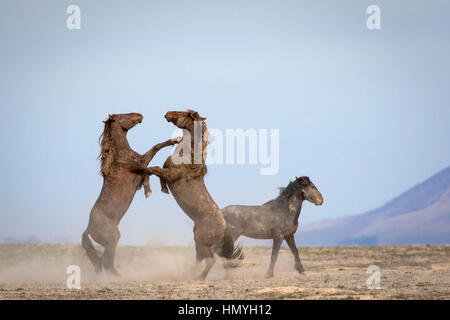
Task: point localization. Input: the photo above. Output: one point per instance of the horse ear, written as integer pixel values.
(296, 178)
(194, 115)
(110, 118)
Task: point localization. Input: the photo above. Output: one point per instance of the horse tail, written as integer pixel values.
(90, 251)
(226, 249)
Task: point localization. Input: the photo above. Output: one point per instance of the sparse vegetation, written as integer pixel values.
(38, 271)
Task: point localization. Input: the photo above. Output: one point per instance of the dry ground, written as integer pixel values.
(38, 271)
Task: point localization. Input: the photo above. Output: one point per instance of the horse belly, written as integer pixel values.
(258, 234)
(115, 197)
(209, 230)
(194, 199)
(250, 221)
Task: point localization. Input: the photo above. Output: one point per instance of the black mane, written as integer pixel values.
(290, 190)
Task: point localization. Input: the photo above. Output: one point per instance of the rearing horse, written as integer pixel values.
(120, 182)
(183, 172)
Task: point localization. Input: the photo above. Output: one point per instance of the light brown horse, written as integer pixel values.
(183, 172)
(119, 164)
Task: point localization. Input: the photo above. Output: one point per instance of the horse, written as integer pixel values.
(120, 182)
(183, 173)
(276, 219)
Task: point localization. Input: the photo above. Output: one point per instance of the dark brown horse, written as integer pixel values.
(276, 219)
(120, 182)
(183, 172)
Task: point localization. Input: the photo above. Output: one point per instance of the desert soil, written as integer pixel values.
(38, 271)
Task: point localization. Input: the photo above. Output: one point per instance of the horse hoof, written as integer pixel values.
(300, 269)
(98, 269)
(200, 277)
(177, 139)
(113, 272)
(147, 194)
(165, 190)
(269, 275)
(116, 275)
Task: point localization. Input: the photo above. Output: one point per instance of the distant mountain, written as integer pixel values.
(420, 215)
(29, 239)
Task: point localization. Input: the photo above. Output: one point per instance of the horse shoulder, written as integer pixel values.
(168, 163)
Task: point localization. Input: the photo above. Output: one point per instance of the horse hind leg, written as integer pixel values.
(275, 249)
(204, 252)
(91, 251)
(110, 244)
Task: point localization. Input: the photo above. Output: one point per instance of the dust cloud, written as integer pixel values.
(47, 264)
(38, 271)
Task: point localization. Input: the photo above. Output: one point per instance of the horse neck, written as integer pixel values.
(119, 136)
(297, 206)
(200, 150)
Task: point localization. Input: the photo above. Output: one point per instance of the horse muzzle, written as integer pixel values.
(319, 201)
(170, 116)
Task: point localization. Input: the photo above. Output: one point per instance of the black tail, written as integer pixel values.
(226, 249)
(90, 251)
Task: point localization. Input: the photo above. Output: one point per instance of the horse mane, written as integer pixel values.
(206, 137)
(205, 133)
(107, 152)
(287, 192)
(195, 170)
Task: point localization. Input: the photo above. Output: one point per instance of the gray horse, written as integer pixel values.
(276, 219)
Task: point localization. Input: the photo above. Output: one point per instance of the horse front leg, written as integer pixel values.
(275, 249)
(163, 184)
(291, 243)
(162, 173)
(165, 175)
(148, 156)
(146, 183)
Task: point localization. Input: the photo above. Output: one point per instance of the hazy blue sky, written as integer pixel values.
(364, 113)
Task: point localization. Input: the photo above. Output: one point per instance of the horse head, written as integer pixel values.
(308, 190)
(184, 119)
(125, 120)
(188, 121)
